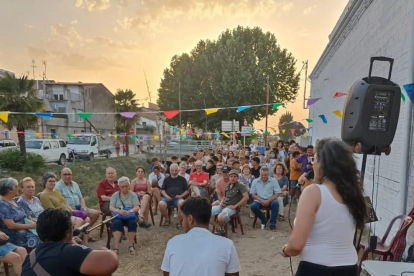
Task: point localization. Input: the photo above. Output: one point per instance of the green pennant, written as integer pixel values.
(252, 131)
(85, 115)
(309, 120)
(69, 135)
(276, 105)
(266, 132)
(181, 137)
(403, 96)
(134, 137)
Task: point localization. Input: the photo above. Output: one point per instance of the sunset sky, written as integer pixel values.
(114, 41)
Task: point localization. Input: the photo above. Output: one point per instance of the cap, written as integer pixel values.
(234, 172)
(225, 169)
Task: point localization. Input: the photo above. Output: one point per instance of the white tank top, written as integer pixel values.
(330, 241)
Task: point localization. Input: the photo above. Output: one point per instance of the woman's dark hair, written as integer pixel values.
(210, 161)
(156, 168)
(199, 208)
(292, 142)
(295, 153)
(184, 159)
(7, 184)
(232, 154)
(280, 141)
(192, 159)
(141, 167)
(52, 225)
(337, 164)
(215, 158)
(46, 177)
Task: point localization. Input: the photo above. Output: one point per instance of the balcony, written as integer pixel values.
(56, 97)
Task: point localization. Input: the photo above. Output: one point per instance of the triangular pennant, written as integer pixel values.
(134, 137)
(235, 134)
(337, 113)
(312, 101)
(189, 136)
(198, 136)
(85, 115)
(215, 135)
(241, 108)
(129, 115)
(272, 129)
(38, 135)
(181, 131)
(283, 130)
(261, 130)
(176, 129)
(226, 135)
(252, 131)
(171, 114)
(4, 116)
(409, 88)
(44, 115)
(304, 135)
(297, 123)
(339, 94)
(211, 111)
(292, 130)
(323, 119)
(301, 129)
(266, 132)
(309, 120)
(402, 96)
(308, 129)
(276, 105)
(156, 137)
(181, 137)
(190, 132)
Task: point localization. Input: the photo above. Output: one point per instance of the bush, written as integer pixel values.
(12, 159)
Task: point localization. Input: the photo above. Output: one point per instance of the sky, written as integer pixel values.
(114, 41)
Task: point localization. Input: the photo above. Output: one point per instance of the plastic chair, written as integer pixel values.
(382, 249)
(267, 209)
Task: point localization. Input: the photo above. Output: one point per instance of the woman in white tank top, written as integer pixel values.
(328, 214)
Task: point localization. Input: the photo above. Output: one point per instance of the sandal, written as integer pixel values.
(116, 250)
(167, 223)
(131, 250)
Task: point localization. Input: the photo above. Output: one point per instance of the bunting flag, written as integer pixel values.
(266, 132)
(198, 136)
(292, 130)
(226, 135)
(215, 135)
(297, 123)
(276, 105)
(323, 118)
(261, 130)
(85, 115)
(134, 137)
(272, 129)
(283, 130)
(301, 129)
(53, 135)
(409, 88)
(252, 131)
(44, 115)
(339, 94)
(176, 129)
(181, 137)
(308, 129)
(402, 96)
(241, 108)
(38, 135)
(235, 134)
(171, 114)
(190, 132)
(337, 113)
(309, 120)
(211, 111)
(4, 116)
(129, 115)
(156, 137)
(304, 135)
(75, 135)
(312, 101)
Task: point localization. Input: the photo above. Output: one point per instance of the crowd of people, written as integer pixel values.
(223, 180)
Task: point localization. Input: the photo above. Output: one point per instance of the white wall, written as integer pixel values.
(382, 30)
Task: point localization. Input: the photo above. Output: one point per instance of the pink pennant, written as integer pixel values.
(292, 130)
(128, 114)
(171, 114)
(339, 94)
(312, 101)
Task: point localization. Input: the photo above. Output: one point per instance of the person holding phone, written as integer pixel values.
(306, 160)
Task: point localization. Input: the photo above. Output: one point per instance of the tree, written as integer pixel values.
(125, 102)
(19, 95)
(286, 123)
(229, 72)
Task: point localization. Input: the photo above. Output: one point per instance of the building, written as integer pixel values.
(8, 134)
(74, 98)
(151, 121)
(370, 28)
(3, 73)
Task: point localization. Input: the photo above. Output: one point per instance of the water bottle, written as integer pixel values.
(175, 212)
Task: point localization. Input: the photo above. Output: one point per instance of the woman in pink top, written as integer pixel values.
(142, 188)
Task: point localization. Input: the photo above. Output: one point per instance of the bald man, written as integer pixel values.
(70, 190)
(199, 180)
(106, 188)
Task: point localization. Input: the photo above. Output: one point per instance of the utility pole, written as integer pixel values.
(267, 109)
(179, 114)
(44, 62)
(305, 64)
(33, 67)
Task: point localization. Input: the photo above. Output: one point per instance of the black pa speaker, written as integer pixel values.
(371, 111)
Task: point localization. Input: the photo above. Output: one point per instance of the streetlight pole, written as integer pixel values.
(267, 109)
(179, 114)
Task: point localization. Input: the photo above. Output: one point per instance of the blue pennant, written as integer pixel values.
(241, 108)
(323, 119)
(215, 135)
(308, 129)
(409, 88)
(44, 115)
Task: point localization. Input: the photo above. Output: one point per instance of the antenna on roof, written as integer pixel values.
(149, 92)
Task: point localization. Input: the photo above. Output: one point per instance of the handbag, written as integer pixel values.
(127, 217)
(285, 200)
(80, 214)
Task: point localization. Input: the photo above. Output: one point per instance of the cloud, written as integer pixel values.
(69, 33)
(93, 5)
(74, 22)
(287, 6)
(309, 9)
(124, 44)
(28, 26)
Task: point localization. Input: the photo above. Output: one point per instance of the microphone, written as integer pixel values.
(79, 230)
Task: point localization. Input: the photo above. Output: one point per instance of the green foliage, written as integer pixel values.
(11, 159)
(19, 95)
(284, 121)
(230, 71)
(125, 102)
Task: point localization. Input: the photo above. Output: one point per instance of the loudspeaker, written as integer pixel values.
(371, 111)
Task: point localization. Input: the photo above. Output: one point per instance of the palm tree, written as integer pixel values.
(124, 102)
(297, 126)
(18, 95)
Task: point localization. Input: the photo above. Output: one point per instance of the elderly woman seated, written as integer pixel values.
(51, 198)
(125, 204)
(11, 254)
(13, 220)
(30, 204)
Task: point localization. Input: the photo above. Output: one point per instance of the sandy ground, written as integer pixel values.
(258, 250)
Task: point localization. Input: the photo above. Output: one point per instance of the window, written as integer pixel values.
(144, 124)
(73, 115)
(46, 145)
(62, 144)
(58, 97)
(55, 144)
(61, 109)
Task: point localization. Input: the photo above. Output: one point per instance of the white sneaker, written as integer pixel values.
(263, 226)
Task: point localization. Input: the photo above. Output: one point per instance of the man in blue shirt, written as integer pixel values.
(306, 160)
(265, 191)
(261, 148)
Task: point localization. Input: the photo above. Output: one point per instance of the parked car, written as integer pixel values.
(52, 150)
(7, 144)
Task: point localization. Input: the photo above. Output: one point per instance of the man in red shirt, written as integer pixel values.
(199, 180)
(106, 188)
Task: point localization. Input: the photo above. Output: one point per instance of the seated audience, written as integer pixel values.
(235, 196)
(174, 190)
(53, 199)
(221, 184)
(156, 178)
(156, 162)
(174, 160)
(13, 220)
(265, 191)
(210, 168)
(126, 204)
(279, 173)
(30, 204)
(183, 168)
(198, 251)
(236, 165)
(217, 176)
(70, 190)
(256, 167)
(199, 180)
(142, 188)
(11, 254)
(106, 188)
(247, 178)
(56, 256)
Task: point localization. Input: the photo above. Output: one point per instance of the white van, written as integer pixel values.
(53, 150)
(88, 146)
(7, 144)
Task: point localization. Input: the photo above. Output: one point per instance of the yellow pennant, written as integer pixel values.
(49, 137)
(226, 135)
(4, 116)
(283, 130)
(211, 111)
(197, 136)
(272, 128)
(337, 113)
(304, 135)
(181, 131)
(38, 135)
(156, 137)
(75, 135)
